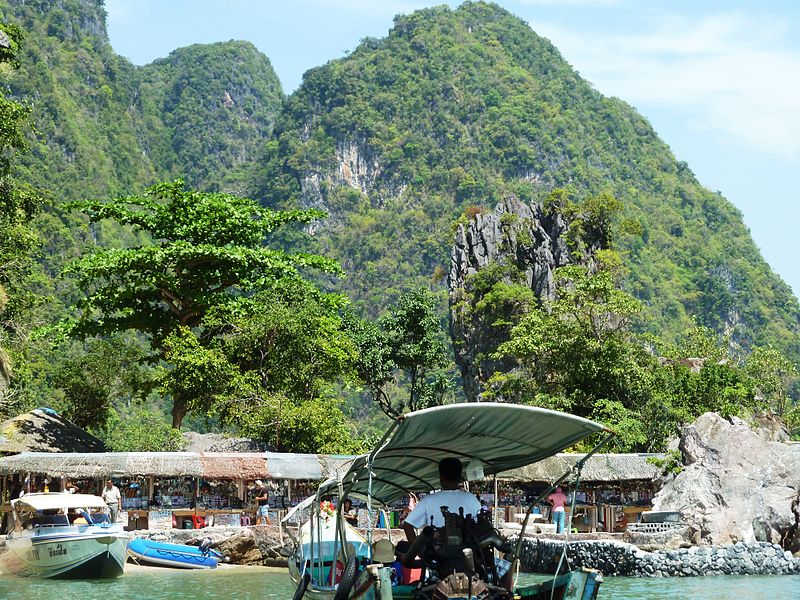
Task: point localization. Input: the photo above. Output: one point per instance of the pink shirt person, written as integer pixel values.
(558, 499)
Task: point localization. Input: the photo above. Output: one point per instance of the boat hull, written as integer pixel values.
(176, 556)
(66, 555)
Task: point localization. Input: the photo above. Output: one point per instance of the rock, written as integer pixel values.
(261, 545)
(738, 484)
(515, 233)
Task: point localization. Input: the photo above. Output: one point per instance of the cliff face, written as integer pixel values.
(456, 109)
(529, 245)
(106, 127)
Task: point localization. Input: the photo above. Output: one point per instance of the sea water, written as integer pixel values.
(255, 583)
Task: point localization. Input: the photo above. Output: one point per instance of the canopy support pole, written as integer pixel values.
(496, 507)
(370, 457)
(578, 466)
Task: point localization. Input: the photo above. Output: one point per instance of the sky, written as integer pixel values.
(718, 80)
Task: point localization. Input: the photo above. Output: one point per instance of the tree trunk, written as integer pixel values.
(179, 411)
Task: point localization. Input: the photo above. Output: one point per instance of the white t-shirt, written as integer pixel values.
(431, 505)
(111, 496)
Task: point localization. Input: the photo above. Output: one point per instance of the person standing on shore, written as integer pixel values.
(113, 499)
(558, 499)
(262, 514)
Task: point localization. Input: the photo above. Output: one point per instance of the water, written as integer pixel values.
(251, 583)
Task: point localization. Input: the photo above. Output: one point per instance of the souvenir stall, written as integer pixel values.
(161, 490)
(614, 490)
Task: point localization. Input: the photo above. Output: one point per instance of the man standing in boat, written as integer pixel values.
(113, 499)
(451, 495)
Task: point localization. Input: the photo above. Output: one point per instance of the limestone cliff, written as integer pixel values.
(529, 245)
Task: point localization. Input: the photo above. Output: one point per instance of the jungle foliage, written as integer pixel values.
(456, 108)
(208, 251)
(396, 142)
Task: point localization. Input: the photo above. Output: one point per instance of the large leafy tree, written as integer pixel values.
(406, 344)
(208, 250)
(577, 349)
(17, 205)
(270, 366)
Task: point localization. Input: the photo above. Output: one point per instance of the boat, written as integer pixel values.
(63, 536)
(178, 556)
(465, 558)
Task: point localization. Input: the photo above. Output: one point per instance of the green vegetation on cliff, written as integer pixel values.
(107, 127)
(459, 107)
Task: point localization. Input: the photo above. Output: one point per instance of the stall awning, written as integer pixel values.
(210, 465)
(599, 467)
(285, 465)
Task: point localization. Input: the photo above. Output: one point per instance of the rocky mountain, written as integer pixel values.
(517, 243)
(107, 127)
(456, 109)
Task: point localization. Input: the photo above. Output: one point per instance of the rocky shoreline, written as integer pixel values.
(264, 545)
(615, 558)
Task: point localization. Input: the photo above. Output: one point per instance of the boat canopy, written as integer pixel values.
(488, 437)
(57, 500)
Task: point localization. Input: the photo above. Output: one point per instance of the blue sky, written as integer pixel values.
(719, 80)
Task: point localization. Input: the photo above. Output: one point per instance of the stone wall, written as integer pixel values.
(619, 558)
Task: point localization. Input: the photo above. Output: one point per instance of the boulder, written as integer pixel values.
(260, 545)
(738, 484)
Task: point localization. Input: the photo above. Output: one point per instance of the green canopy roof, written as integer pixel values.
(498, 437)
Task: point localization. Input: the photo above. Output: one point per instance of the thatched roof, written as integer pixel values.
(600, 467)
(209, 465)
(43, 430)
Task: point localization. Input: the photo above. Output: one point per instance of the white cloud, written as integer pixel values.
(729, 74)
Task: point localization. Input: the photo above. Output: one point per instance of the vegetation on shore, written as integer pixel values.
(186, 300)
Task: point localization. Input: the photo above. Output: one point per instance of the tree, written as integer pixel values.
(208, 250)
(18, 204)
(407, 341)
(290, 349)
(140, 430)
(773, 377)
(103, 375)
(578, 349)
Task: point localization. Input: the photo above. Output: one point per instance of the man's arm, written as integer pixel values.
(411, 533)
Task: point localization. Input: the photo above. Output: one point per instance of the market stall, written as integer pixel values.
(176, 489)
(614, 490)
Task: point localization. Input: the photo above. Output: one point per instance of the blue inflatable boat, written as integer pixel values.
(173, 555)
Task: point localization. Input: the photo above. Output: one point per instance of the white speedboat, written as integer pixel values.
(63, 536)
